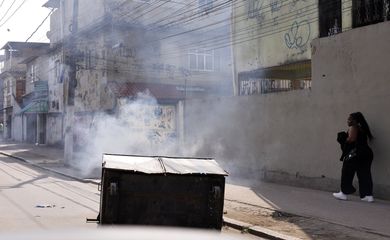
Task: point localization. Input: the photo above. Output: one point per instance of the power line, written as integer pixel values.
(17, 9)
(212, 42)
(307, 11)
(44, 20)
(5, 14)
(242, 37)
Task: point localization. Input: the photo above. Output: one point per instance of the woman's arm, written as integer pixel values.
(352, 134)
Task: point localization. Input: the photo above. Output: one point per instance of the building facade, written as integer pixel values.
(272, 51)
(14, 79)
(121, 49)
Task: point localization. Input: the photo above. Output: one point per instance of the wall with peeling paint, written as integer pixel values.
(290, 137)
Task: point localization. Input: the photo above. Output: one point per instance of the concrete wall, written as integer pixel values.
(17, 128)
(54, 129)
(290, 137)
(270, 33)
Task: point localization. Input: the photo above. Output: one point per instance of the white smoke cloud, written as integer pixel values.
(136, 129)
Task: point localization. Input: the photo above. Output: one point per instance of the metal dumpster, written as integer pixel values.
(156, 190)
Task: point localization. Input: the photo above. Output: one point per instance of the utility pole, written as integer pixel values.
(71, 61)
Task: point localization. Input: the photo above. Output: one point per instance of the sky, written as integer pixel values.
(24, 22)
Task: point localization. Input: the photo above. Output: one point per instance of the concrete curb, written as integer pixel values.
(256, 230)
(238, 225)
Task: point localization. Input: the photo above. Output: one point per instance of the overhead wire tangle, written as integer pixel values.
(138, 8)
(199, 28)
(236, 17)
(213, 45)
(143, 13)
(87, 26)
(227, 37)
(195, 14)
(243, 4)
(265, 24)
(266, 34)
(314, 19)
(1, 4)
(227, 4)
(203, 27)
(244, 32)
(102, 25)
(249, 28)
(170, 14)
(243, 40)
(239, 39)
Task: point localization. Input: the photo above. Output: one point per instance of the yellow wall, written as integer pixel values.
(273, 32)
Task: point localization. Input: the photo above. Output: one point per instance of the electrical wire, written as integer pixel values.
(44, 20)
(6, 12)
(237, 39)
(17, 9)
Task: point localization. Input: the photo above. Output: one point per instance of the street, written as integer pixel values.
(32, 198)
(35, 199)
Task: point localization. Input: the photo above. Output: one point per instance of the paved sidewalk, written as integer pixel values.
(370, 217)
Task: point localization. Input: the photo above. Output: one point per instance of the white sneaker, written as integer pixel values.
(368, 199)
(340, 195)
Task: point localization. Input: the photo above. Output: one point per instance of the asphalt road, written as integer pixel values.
(33, 199)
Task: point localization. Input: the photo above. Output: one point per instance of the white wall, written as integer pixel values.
(17, 128)
(54, 129)
(290, 137)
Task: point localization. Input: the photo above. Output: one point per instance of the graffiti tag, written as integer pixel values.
(255, 9)
(298, 36)
(276, 5)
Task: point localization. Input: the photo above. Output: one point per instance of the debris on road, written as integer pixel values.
(45, 206)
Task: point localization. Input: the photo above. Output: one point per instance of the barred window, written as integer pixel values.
(33, 73)
(366, 12)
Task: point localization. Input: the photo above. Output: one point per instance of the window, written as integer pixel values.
(57, 69)
(33, 73)
(201, 60)
(366, 12)
(90, 59)
(288, 77)
(205, 5)
(329, 17)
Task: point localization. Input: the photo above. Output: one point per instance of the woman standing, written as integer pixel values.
(357, 157)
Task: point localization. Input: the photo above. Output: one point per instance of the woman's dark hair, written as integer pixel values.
(359, 118)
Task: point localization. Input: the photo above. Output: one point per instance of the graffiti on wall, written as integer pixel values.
(276, 5)
(298, 36)
(249, 87)
(158, 122)
(256, 10)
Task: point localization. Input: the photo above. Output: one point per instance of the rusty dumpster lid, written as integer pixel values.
(162, 164)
